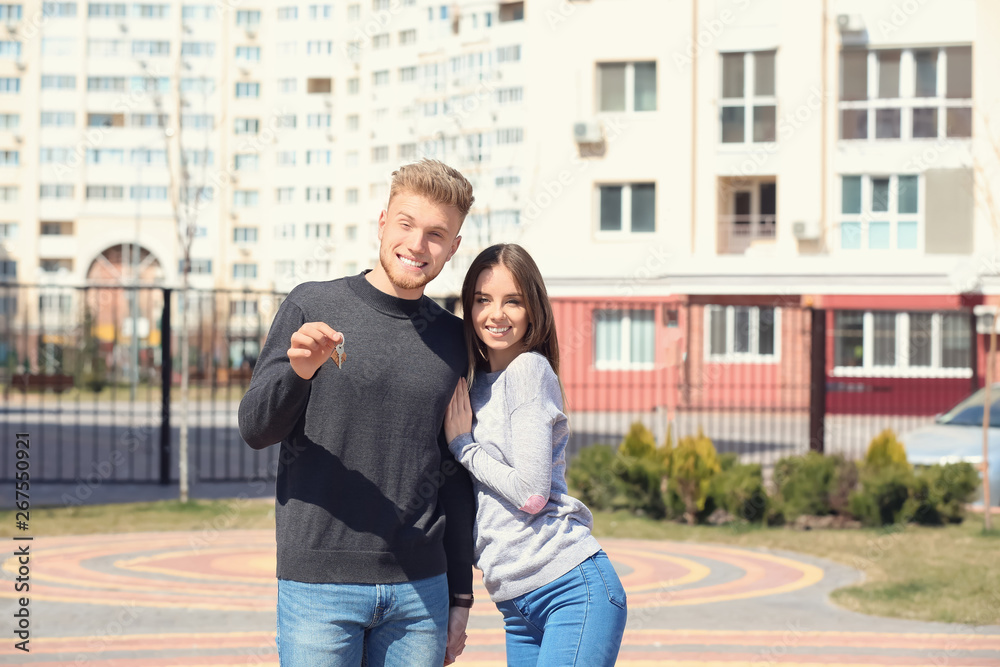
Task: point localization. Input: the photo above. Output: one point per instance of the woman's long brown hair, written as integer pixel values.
(541, 334)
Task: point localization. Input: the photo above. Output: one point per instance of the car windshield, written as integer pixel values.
(970, 411)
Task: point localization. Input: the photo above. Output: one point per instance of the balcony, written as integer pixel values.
(737, 233)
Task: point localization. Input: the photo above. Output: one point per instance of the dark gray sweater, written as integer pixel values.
(365, 478)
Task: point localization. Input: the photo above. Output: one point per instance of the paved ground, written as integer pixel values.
(207, 598)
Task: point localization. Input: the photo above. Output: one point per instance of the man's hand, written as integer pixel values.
(458, 415)
(311, 346)
(458, 620)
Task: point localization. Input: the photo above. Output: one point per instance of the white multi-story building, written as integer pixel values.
(274, 126)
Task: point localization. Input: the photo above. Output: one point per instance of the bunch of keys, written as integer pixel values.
(339, 356)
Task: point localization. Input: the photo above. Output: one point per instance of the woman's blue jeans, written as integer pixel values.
(336, 625)
(578, 619)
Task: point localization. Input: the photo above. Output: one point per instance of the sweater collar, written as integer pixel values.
(382, 302)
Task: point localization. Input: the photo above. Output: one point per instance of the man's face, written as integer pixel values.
(417, 238)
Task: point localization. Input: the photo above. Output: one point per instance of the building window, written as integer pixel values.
(380, 154)
(287, 121)
(285, 158)
(880, 212)
(354, 12)
(624, 339)
(196, 266)
(902, 344)
(10, 50)
(514, 135)
(284, 195)
(320, 11)
(408, 152)
(55, 303)
(145, 47)
(319, 194)
(105, 192)
(9, 194)
(151, 11)
(509, 95)
(10, 13)
(290, 13)
(243, 307)
(246, 126)
(248, 90)
(8, 231)
(58, 119)
(244, 235)
(284, 230)
(353, 122)
(198, 12)
(248, 18)
(8, 269)
(244, 271)
(407, 37)
(318, 157)
(352, 195)
(9, 85)
(53, 155)
(511, 11)
(10, 158)
(197, 121)
(318, 230)
(286, 86)
(148, 192)
(58, 82)
(105, 156)
(245, 198)
(921, 93)
(380, 41)
(318, 120)
(509, 54)
(59, 9)
(742, 333)
(748, 103)
(51, 191)
(245, 162)
(626, 86)
(148, 156)
(248, 53)
(319, 47)
(628, 207)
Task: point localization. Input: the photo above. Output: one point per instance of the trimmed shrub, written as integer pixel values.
(885, 450)
(639, 442)
(940, 493)
(592, 475)
(804, 483)
(641, 470)
(738, 488)
(883, 495)
(693, 463)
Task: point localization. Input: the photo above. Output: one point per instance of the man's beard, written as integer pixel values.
(407, 281)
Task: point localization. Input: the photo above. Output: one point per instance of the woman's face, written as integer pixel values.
(499, 315)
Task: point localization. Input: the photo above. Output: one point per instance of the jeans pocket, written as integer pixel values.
(613, 585)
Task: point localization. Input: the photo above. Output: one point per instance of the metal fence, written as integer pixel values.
(92, 373)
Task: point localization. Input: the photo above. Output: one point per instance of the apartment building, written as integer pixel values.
(707, 176)
(265, 132)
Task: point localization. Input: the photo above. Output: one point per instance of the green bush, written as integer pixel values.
(641, 469)
(693, 463)
(883, 494)
(738, 488)
(885, 450)
(804, 483)
(592, 476)
(639, 442)
(940, 493)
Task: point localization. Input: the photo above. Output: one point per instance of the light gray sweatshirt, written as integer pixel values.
(528, 530)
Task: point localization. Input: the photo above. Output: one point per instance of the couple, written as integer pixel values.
(377, 525)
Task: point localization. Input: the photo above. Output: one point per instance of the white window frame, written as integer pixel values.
(749, 98)
(626, 211)
(907, 100)
(624, 362)
(892, 216)
(902, 368)
(753, 356)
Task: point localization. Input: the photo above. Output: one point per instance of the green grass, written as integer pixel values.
(949, 574)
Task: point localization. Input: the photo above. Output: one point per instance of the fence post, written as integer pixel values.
(817, 380)
(167, 372)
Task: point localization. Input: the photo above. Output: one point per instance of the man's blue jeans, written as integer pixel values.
(578, 619)
(335, 625)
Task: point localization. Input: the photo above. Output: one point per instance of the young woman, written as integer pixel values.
(561, 600)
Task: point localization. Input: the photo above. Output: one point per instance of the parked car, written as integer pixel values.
(957, 435)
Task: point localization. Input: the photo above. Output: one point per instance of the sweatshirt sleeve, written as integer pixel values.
(276, 396)
(527, 480)
(459, 504)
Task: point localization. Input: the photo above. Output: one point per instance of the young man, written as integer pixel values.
(353, 381)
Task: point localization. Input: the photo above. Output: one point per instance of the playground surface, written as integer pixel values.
(207, 597)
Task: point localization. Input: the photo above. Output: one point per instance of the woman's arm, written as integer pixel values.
(527, 480)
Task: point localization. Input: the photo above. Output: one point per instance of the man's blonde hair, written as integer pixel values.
(436, 181)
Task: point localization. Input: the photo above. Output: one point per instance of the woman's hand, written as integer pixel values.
(458, 416)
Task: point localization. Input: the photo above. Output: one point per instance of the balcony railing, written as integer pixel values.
(739, 232)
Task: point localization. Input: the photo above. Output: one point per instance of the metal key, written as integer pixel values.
(339, 354)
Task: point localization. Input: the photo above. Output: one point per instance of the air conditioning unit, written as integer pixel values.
(850, 23)
(588, 132)
(985, 316)
(244, 250)
(251, 34)
(806, 230)
(244, 71)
